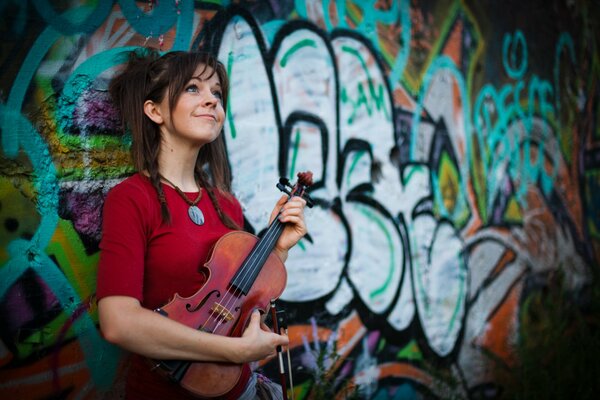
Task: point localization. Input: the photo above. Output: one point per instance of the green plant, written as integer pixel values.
(327, 383)
(558, 349)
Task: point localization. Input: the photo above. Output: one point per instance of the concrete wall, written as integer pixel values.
(455, 150)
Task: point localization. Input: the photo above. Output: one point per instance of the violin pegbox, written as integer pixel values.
(305, 180)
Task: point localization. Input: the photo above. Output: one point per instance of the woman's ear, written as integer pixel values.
(153, 111)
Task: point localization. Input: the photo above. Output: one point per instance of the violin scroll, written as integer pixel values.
(305, 178)
(299, 189)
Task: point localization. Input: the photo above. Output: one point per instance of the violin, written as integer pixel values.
(243, 275)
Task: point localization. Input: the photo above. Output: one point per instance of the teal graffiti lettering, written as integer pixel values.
(19, 134)
(514, 55)
(504, 127)
(403, 54)
(391, 249)
(19, 88)
(371, 16)
(154, 23)
(25, 254)
(376, 96)
(79, 20)
(301, 44)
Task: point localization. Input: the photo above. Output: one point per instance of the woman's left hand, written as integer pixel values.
(292, 214)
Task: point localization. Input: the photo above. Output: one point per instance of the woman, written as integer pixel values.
(160, 224)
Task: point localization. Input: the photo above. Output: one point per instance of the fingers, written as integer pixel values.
(297, 200)
(278, 207)
(259, 341)
(276, 339)
(290, 211)
(295, 221)
(281, 201)
(294, 202)
(255, 321)
(294, 207)
(282, 340)
(262, 343)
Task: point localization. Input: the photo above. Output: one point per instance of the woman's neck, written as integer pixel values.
(178, 165)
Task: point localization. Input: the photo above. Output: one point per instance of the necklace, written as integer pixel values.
(194, 212)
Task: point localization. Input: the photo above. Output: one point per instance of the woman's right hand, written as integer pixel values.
(258, 342)
(126, 323)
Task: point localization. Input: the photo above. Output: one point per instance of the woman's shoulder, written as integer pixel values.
(136, 188)
(134, 197)
(134, 183)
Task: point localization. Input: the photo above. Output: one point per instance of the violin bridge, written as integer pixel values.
(221, 311)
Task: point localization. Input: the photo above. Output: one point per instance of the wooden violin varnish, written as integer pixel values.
(243, 275)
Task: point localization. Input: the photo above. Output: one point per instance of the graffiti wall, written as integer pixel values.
(456, 151)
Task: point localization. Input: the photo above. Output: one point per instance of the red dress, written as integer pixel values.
(143, 258)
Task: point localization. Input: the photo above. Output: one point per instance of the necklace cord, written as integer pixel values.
(191, 203)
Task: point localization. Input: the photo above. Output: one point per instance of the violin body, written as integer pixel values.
(222, 308)
(242, 275)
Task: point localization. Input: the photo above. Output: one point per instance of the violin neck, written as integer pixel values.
(250, 268)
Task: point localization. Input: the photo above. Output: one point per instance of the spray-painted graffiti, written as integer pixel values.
(450, 168)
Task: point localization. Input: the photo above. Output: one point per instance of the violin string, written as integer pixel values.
(258, 254)
(273, 230)
(230, 297)
(222, 316)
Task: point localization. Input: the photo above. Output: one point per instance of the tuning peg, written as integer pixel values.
(306, 178)
(309, 202)
(281, 186)
(286, 182)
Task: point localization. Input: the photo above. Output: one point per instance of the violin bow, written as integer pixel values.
(282, 324)
(277, 330)
(278, 316)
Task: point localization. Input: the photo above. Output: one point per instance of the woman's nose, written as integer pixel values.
(210, 99)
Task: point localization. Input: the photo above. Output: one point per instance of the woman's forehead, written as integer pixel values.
(205, 72)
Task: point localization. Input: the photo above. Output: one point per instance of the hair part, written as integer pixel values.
(149, 76)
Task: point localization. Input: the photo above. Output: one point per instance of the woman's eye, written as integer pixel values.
(218, 94)
(191, 88)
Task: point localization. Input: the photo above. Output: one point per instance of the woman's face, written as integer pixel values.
(198, 115)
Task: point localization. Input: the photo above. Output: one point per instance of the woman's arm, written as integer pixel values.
(124, 322)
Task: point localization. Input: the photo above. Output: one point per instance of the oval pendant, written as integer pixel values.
(196, 215)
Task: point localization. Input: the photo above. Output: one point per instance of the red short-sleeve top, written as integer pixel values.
(144, 258)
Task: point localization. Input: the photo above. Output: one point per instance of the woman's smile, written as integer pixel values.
(210, 116)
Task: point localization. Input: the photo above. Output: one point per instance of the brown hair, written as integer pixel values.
(149, 76)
